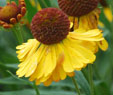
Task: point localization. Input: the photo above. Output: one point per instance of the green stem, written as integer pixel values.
(91, 79)
(17, 31)
(36, 88)
(76, 86)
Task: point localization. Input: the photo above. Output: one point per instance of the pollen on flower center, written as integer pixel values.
(77, 7)
(9, 11)
(50, 26)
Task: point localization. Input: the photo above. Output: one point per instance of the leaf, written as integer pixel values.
(104, 66)
(5, 67)
(54, 3)
(21, 92)
(101, 88)
(44, 3)
(12, 81)
(82, 82)
(42, 92)
(14, 66)
(31, 11)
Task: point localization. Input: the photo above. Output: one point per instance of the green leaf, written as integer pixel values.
(101, 88)
(54, 3)
(44, 3)
(82, 82)
(12, 81)
(31, 11)
(14, 66)
(5, 67)
(21, 92)
(42, 92)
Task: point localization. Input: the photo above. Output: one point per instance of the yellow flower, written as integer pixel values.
(56, 52)
(84, 19)
(88, 21)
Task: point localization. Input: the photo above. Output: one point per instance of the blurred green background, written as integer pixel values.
(10, 84)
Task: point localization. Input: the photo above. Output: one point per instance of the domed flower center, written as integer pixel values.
(9, 11)
(50, 26)
(77, 7)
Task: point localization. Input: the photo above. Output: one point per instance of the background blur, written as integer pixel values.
(10, 84)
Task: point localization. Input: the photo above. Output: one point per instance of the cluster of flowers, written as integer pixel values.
(65, 39)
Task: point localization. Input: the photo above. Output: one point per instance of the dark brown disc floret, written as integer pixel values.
(50, 26)
(77, 7)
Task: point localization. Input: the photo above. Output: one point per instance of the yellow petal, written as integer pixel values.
(27, 49)
(29, 65)
(91, 35)
(50, 61)
(56, 75)
(67, 63)
(48, 82)
(86, 55)
(39, 70)
(62, 73)
(103, 45)
(108, 14)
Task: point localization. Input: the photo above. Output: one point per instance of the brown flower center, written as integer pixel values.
(9, 11)
(50, 26)
(77, 7)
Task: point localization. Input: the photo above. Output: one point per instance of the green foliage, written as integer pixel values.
(10, 84)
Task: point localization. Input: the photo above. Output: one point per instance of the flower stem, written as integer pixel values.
(76, 85)
(91, 79)
(17, 31)
(36, 88)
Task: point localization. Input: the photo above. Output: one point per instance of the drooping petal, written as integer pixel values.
(29, 65)
(39, 70)
(27, 49)
(67, 65)
(50, 61)
(91, 35)
(103, 45)
(85, 55)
